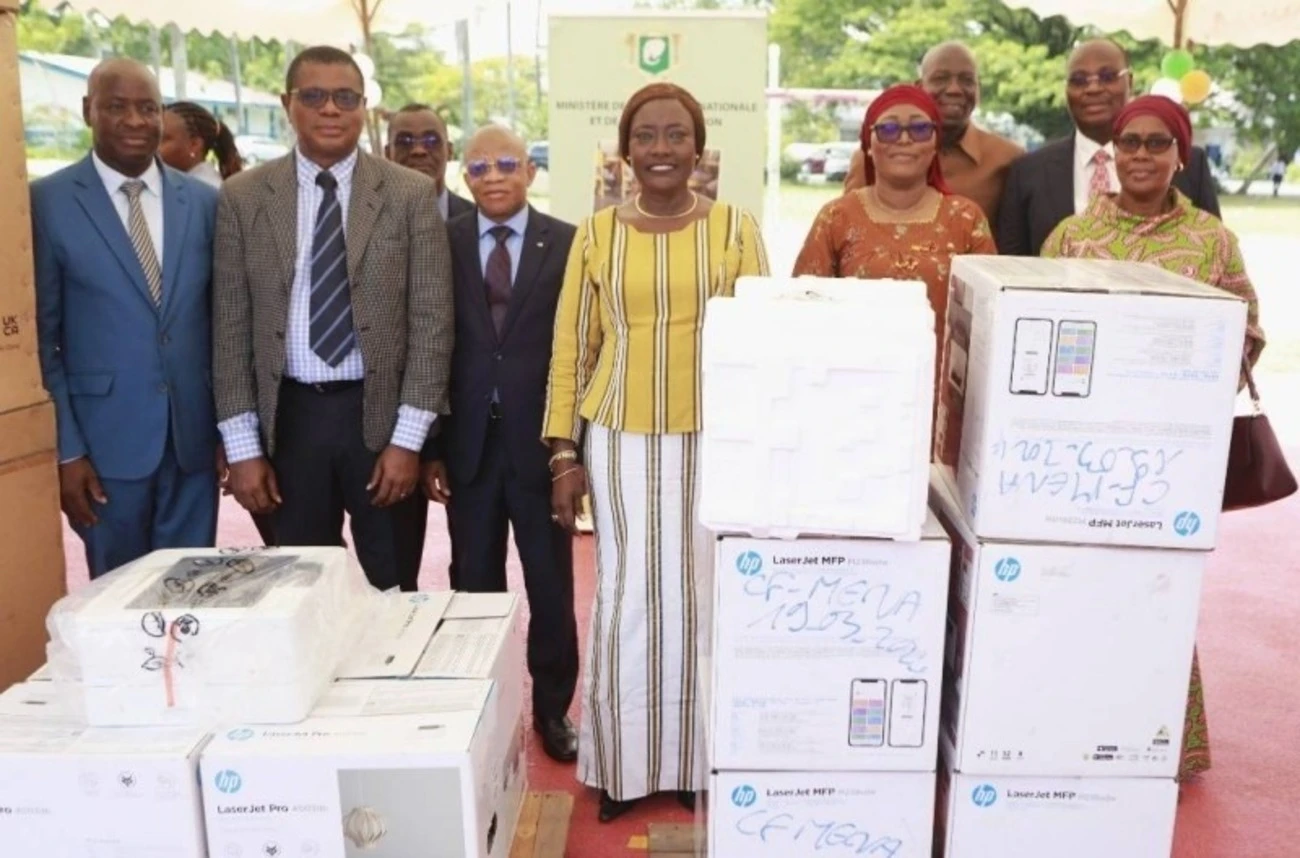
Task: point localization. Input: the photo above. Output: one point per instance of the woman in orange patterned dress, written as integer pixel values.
(905, 224)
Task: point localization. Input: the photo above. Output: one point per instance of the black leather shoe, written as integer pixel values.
(559, 739)
(611, 810)
(686, 799)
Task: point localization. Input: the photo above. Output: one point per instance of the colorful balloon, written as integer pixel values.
(1195, 86)
(1177, 63)
(1169, 88)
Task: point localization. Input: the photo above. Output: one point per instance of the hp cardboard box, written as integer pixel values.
(828, 653)
(1087, 401)
(1020, 817)
(805, 815)
(1068, 659)
(388, 775)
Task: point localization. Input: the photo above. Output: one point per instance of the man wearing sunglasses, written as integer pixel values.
(487, 464)
(1060, 179)
(333, 326)
(974, 162)
(417, 138)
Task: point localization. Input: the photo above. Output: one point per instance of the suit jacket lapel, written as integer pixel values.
(1061, 183)
(537, 243)
(94, 200)
(282, 212)
(176, 224)
(466, 241)
(363, 211)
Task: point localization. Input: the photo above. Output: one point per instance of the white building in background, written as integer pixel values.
(54, 84)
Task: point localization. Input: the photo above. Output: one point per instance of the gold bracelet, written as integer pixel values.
(563, 474)
(562, 456)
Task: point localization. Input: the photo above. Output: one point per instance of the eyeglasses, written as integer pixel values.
(480, 167)
(315, 98)
(406, 140)
(1156, 144)
(891, 132)
(1105, 77)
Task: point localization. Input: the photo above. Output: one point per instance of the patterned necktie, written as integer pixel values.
(1100, 183)
(332, 337)
(141, 240)
(498, 277)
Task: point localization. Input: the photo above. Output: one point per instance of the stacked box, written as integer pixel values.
(1085, 412)
(824, 617)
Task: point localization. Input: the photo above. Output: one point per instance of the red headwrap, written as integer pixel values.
(1168, 111)
(903, 93)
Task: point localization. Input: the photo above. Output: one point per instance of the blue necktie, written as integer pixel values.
(332, 337)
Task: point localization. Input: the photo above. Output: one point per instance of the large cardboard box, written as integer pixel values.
(69, 789)
(1022, 817)
(817, 406)
(1067, 659)
(417, 783)
(1086, 401)
(31, 573)
(20, 374)
(803, 815)
(828, 653)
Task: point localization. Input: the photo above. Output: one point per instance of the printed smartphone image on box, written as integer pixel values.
(867, 707)
(1031, 356)
(907, 713)
(1076, 346)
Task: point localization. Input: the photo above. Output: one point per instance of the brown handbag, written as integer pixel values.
(1257, 469)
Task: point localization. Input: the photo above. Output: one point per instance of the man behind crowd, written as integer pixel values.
(974, 162)
(1060, 179)
(333, 329)
(123, 300)
(417, 138)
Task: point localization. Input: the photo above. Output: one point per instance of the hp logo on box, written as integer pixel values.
(243, 734)
(984, 795)
(744, 796)
(228, 781)
(1007, 569)
(1186, 523)
(750, 563)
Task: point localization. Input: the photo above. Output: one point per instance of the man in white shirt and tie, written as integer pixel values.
(123, 253)
(1058, 180)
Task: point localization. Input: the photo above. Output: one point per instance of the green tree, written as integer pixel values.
(442, 89)
(1262, 82)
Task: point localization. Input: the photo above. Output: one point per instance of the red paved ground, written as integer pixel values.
(1244, 808)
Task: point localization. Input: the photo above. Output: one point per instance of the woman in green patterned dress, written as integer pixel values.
(1150, 221)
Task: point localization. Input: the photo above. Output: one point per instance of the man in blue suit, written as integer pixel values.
(123, 250)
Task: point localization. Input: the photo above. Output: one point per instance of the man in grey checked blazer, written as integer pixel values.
(333, 329)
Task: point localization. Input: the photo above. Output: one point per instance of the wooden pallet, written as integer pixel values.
(667, 840)
(543, 830)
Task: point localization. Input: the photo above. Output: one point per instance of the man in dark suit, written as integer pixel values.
(488, 463)
(333, 327)
(123, 252)
(1057, 181)
(417, 138)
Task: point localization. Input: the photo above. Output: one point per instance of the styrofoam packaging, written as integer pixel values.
(204, 636)
(802, 814)
(1067, 659)
(1026, 817)
(816, 412)
(391, 776)
(67, 789)
(828, 653)
(1086, 401)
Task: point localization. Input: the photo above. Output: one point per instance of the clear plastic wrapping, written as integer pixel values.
(201, 636)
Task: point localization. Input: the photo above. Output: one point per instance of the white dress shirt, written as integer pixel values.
(1085, 148)
(206, 173)
(240, 433)
(151, 201)
(444, 203)
(518, 223)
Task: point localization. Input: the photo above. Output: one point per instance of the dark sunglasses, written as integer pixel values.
(1105, 77)
(891, 132)
(406, 140)
(480, 167)
(1156, 144)
(315, 98)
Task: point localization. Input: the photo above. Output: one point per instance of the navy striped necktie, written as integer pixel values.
(332, 336)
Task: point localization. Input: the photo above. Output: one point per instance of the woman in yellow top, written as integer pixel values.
(623, 414)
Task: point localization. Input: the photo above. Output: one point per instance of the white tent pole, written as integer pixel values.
(772, 202)
(510, 66)
(467, 80)
(180, 62)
